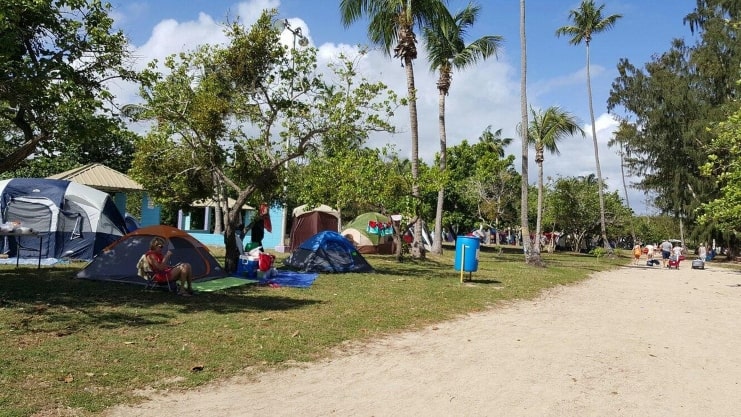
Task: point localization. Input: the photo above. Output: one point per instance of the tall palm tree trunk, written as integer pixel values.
(418, 247)
(531, 255)
(603, 228)
(437, 242)
(539, 218)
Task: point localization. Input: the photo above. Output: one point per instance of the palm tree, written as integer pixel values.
(494, 141)
(446, 49)
(532, 252)
(391, 26)
(588, 20)
(547, 128)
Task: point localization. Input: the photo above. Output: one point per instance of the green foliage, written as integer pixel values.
(724, 164)
(574, 204)
(54, 60)
(481, 184)
(352, 180)
(227, 120)
(672, 106)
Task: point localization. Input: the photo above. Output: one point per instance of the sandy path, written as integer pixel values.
(632, 342)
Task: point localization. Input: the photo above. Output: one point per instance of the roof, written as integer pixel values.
(323, 208)
(100, 177)
(211, 203)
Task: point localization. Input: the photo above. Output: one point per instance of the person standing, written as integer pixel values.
(666, 252)
(650, 251)
(636, 253)
(702, 252)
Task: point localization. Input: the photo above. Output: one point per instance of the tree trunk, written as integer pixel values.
(437, 241)
(603, 227)
(539, 216)
(532, 256)
(418, 247)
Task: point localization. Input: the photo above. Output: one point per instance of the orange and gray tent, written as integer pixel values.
(117, 262)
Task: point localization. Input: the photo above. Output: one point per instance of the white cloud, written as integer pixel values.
(482, 95)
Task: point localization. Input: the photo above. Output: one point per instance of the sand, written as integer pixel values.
(637, 341)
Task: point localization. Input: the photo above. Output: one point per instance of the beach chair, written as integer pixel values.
(144, 270)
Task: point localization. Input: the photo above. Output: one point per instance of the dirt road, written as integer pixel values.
(632, 342)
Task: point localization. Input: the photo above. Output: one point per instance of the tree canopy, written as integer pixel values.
(227, 120)
(55, 59)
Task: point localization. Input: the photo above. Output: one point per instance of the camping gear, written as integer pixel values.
(327, 251)
(220, 284)
(371, 233)
(118, 261)
(308, 222)
(265, 261)
(247, 266)
(290, 279)
(73, 220)
(698, 264)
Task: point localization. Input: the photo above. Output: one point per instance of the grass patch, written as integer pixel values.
(84, 346)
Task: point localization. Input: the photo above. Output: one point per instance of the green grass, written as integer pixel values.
(84, 346)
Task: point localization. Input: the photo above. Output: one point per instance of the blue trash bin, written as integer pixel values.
(468, 258)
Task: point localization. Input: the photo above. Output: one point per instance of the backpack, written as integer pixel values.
(143, 269)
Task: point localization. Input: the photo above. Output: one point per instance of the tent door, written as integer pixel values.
(38, 214)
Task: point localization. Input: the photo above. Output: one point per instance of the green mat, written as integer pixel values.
(221, 283)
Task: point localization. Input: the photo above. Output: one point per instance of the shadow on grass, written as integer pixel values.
(69, 303)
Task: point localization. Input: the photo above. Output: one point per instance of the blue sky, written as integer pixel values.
(487, 94)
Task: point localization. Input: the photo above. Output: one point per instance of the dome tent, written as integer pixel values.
(327, 251)
(371, 233)
(117, 262)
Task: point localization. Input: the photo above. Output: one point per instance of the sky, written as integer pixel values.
(487, 94)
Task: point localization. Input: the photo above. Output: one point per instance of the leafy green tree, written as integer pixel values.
(391, 26)
(670, 105)
(479, 180)
(55, 59)
(546, 129)
(361, 180)
(228, 119)
(492, 189)
(446, 50)
(724, 164)
(587, 21)
(574, 202)
(622, 138)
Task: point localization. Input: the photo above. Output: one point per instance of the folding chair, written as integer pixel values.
(144, 270)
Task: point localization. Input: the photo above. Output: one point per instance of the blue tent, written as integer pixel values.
(74, 221)
(327, 251)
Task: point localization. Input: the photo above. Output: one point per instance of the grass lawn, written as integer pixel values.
(76, 347)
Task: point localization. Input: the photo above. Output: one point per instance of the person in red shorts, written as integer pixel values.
(164, 273)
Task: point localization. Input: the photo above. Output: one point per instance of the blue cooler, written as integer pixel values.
(247, 267)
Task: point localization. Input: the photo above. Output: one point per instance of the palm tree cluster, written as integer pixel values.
(391, 25)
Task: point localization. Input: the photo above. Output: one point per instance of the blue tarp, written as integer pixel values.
(291, 279)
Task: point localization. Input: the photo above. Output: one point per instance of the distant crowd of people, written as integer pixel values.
(669, 251)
